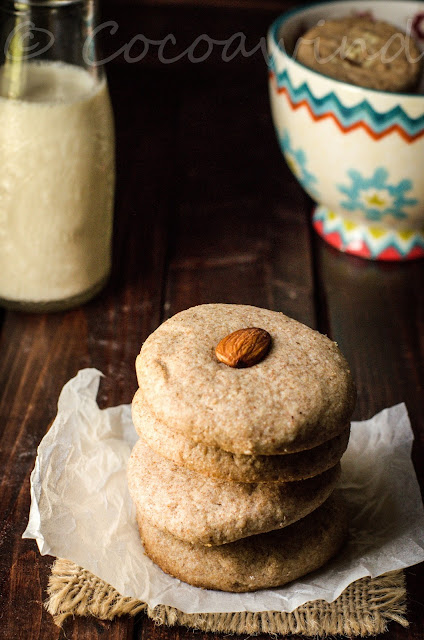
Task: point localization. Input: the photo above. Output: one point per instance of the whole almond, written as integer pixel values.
(244, 347)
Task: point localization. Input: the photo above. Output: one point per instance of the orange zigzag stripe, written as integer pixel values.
(363, 125)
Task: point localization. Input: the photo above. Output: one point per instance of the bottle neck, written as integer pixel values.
(49, 31)
(23, 5)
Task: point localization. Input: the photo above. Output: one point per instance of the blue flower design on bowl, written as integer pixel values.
(296, 160)
(375, 196)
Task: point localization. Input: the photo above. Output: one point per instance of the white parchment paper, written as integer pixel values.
(81, 509)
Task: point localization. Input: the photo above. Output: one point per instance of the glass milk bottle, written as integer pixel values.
(56, 156)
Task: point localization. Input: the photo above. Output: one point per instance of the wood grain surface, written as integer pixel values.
(206, 211)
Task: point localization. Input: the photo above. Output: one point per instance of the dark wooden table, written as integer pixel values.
(206, 211)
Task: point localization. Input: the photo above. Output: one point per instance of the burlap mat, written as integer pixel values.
(364, 608)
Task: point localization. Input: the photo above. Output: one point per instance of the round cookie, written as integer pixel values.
(206, 511)
(365, 52)
(259, 562)
(299, 396)
(217, 463)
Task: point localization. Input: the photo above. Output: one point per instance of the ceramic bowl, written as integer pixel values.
(359, 153)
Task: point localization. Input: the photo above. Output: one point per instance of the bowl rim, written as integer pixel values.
(281, 19)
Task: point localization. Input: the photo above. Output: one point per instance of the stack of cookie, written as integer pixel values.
(243, 416)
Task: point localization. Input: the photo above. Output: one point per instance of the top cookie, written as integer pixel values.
(299, 396)
(365, 52)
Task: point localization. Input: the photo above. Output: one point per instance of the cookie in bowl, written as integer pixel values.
(362, 51)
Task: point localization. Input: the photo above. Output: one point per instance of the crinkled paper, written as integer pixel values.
(81, 509)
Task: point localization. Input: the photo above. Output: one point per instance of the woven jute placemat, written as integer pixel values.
(364, 608)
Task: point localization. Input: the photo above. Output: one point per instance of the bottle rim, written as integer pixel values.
(18, 5)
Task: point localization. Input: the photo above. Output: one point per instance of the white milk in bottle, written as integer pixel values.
(56, 188)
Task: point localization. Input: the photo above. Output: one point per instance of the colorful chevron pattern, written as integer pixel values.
(377, 125)
(367, 241)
